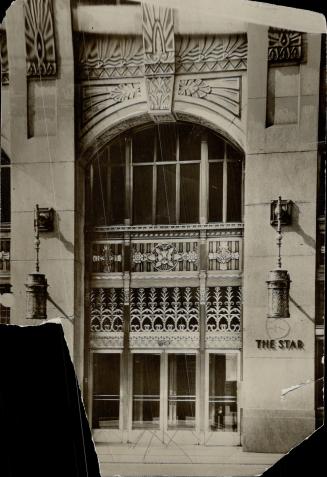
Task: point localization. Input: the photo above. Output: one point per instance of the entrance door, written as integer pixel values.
(222, 413)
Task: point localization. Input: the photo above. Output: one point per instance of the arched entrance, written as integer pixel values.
(164, 262)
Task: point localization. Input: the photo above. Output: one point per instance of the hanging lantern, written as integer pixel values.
(36, 296)
(36, 285)
(278, 294)
(279, 279)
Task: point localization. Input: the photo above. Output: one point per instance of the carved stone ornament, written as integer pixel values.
(106, 57)
(207, 54)
(159, 60)
(224, 93)
(97, 99)
(4, 58)
(284, 46)
(165, 256)
(39, 35)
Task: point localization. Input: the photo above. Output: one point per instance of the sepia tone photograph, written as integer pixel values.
(162, 199)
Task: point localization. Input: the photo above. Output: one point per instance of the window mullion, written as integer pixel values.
(225, 185)
(204, 166)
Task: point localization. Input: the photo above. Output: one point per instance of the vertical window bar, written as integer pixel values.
(225, 184)
(108, 214)
(178, 177)
(128, 180)
(154, 175)
(130, 185)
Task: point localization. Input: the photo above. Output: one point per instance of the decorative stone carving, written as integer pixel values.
(223, 309)
(164, 309)
(208, 54)
(224, 93)
(4, 58)
(107, 309)
(164, 256)
(105, 57)
(97, 99)
(284, 46)
(40, 42)
(159, 60)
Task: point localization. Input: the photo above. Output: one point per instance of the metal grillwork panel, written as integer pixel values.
(107, 309)
(165, 309)
(223, 309)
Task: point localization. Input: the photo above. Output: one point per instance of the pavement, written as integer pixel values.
(154, 459)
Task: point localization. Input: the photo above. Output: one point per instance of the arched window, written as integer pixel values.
(166, 174)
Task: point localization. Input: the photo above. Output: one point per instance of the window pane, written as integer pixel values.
(142, 194)
(166, 195)
(234, 191)
(223, 392)
(106, 390)
(189, 143)
(100, 192)
(146, 390)
(215, 191)
(117, 152)
(5, 194)
(116, 204)
(216, 146)
(189, 193)
(181, 390)
(143, 145)
(166, 144)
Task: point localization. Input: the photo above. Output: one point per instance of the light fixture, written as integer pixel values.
(36, 285)
(279, 279)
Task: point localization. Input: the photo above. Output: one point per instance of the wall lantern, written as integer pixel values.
(36, 285)
(279, 279)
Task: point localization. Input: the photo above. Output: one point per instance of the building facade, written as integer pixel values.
(161, 141)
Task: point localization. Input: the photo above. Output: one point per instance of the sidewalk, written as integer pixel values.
(156, 459)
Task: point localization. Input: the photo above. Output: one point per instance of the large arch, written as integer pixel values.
(111, 125)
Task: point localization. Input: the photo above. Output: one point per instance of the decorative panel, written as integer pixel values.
(106, 258)
(107, 310)
(164, 309)
(206, 54)
(223, 317)
(39, 35)
(284, 46)
(106, 57)
(224, 92)
(224, 255)
(159, 60)
(178, 256)
(4, 58)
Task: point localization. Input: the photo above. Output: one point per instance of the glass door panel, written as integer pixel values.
(146, 391)
(181, 391)
(106, 391)
(223, 393)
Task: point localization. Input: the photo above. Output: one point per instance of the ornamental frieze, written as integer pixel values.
(207, 54)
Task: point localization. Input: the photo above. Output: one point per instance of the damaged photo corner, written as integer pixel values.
(162, 238)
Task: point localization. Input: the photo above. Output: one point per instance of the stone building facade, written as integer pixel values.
(160, 140)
